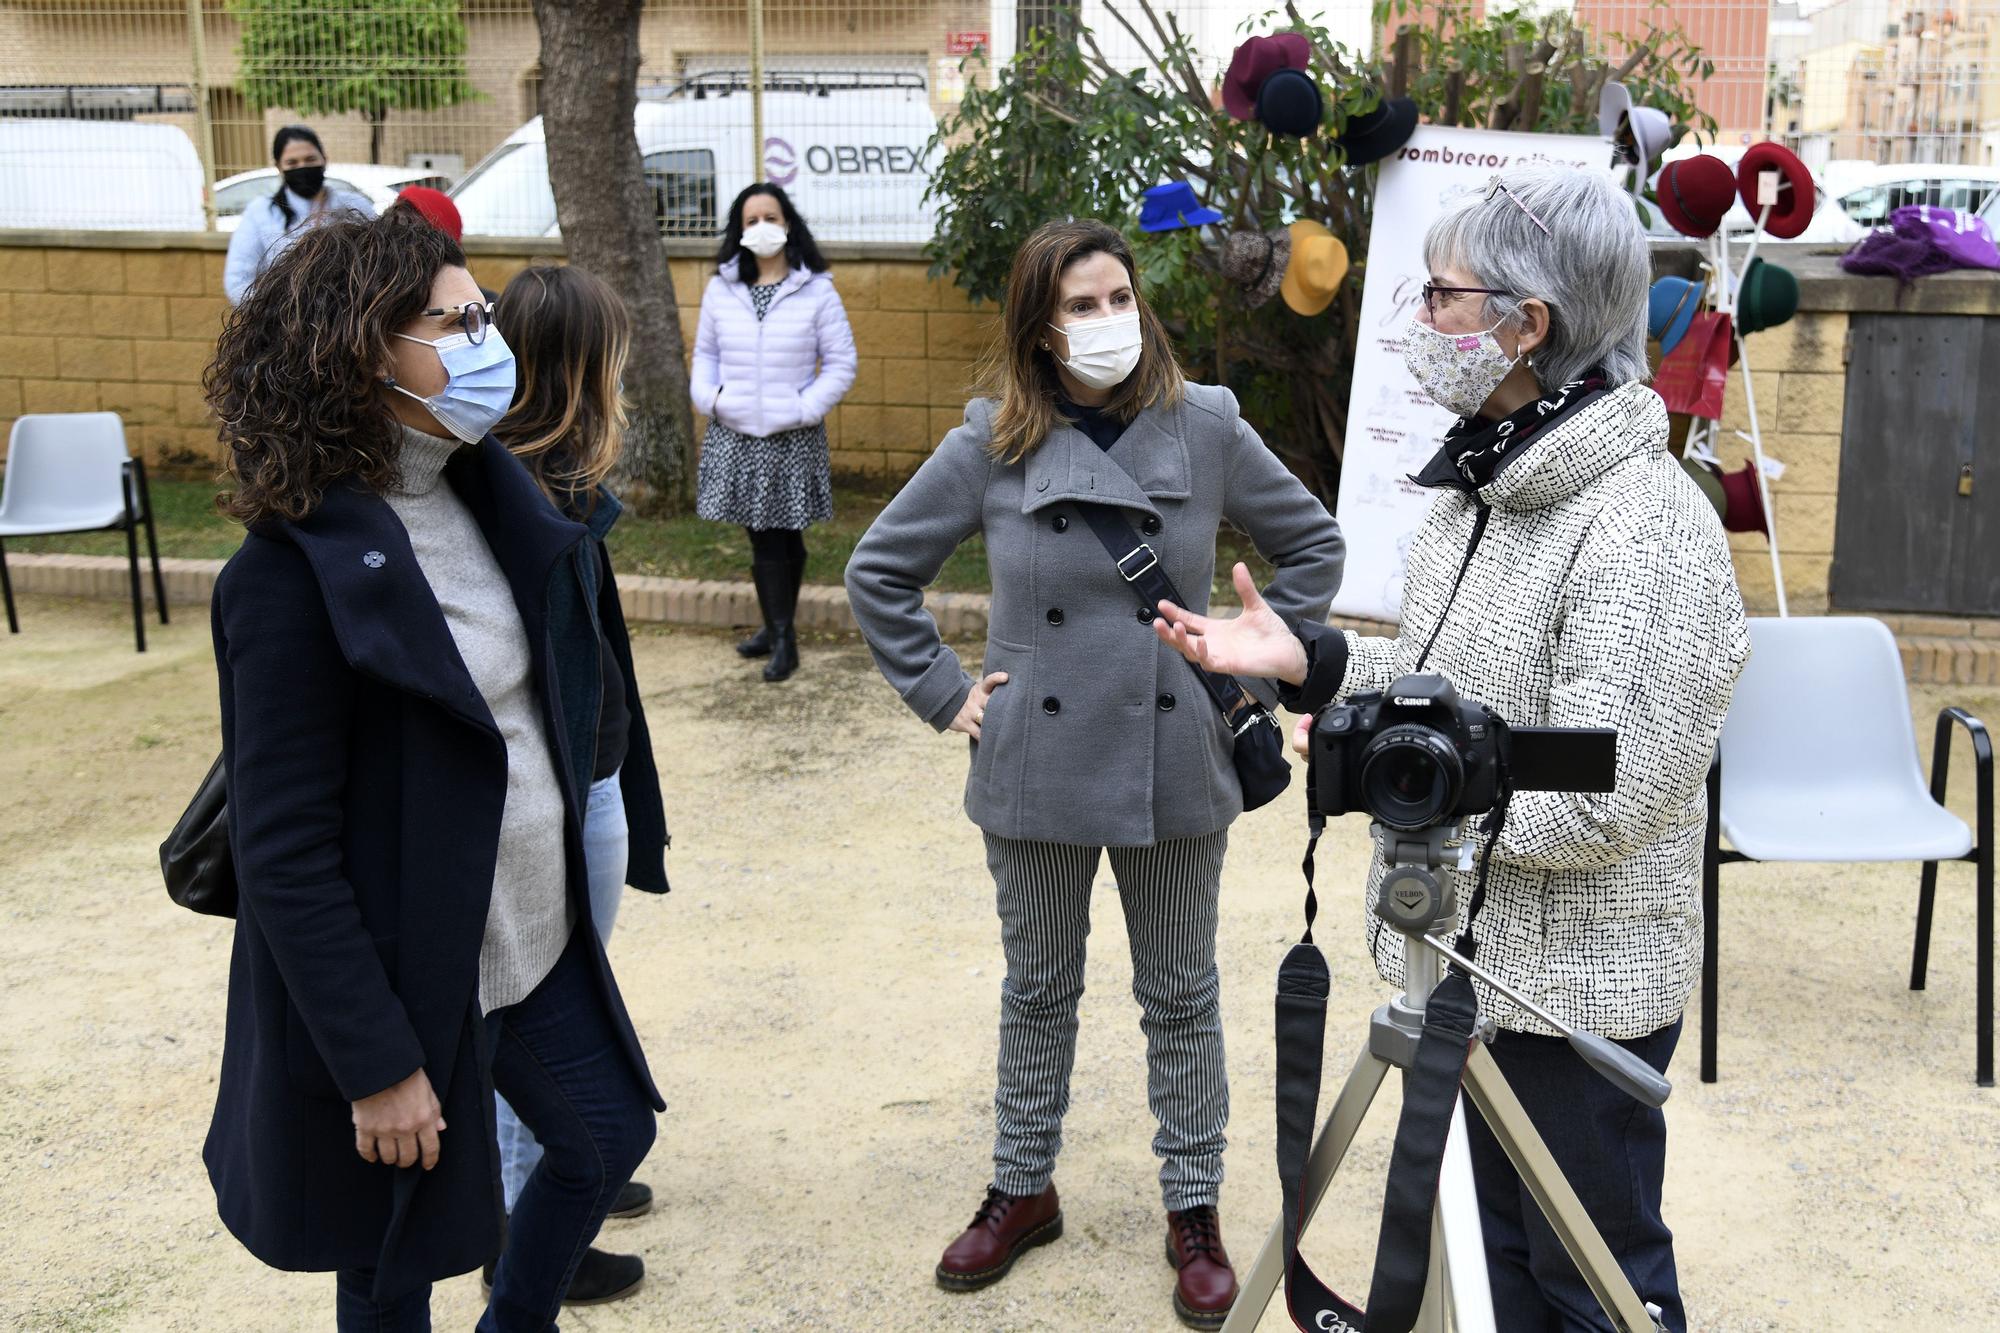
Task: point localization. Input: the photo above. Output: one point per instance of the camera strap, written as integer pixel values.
(1430, 1094)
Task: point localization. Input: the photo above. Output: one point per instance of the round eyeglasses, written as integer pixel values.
(475, 317)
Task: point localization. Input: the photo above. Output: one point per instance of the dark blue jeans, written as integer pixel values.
(558, 1062)
(1613, 1151)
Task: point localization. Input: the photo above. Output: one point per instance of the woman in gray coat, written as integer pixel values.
(1086, 733)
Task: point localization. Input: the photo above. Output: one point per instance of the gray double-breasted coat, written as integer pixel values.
(1102, 735)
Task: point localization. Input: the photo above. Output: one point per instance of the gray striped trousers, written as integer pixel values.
(1169, 895)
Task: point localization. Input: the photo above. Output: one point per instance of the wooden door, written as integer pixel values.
(1923, 398)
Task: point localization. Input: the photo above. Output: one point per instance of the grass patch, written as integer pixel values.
(685, 548)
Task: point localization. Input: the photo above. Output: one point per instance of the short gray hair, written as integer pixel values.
(1590, 267)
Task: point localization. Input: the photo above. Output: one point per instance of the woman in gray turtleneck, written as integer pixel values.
(404, 796)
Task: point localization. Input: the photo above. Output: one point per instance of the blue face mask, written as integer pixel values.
(478, 387)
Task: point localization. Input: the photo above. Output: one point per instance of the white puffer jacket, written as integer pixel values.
(787, 370)
(1601, 594)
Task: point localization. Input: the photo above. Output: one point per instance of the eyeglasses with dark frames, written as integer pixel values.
(1433, 290)
(475, 317)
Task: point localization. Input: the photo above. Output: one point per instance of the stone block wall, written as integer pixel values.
(127, 323)
(1799, 376)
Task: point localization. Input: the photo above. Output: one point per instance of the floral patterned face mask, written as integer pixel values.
(1459, 371)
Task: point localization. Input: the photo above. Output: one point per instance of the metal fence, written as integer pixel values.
(159, 114)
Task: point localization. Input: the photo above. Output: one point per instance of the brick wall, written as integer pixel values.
(126, 325)
(1799, 375)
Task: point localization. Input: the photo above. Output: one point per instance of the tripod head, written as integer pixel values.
(1419, 898)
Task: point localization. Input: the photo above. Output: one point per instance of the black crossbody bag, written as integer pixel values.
(1259, 754)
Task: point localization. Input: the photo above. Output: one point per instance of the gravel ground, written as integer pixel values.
(818, 996)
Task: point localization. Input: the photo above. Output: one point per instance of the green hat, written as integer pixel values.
(1770, 297)
(1708, 485)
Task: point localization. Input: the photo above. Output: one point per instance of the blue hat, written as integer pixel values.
(1171, 206)
(1670, 309)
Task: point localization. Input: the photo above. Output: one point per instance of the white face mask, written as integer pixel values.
(1102, 352)
(1459, 371)
(764, 239)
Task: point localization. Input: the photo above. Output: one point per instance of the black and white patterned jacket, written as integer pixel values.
(1600, 594)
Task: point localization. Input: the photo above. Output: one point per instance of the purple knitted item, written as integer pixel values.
(1923, 241)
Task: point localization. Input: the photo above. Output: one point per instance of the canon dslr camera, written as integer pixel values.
(1419, 756)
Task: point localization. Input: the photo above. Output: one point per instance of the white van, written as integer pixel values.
(64, 175)
(847, 146)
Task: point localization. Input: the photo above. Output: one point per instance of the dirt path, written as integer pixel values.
(819, 998)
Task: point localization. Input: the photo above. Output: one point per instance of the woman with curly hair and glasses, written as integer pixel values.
(405, 784)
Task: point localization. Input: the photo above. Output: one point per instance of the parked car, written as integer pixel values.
(379, 185)
(60, 175)
(851, 148)
(1970, 189)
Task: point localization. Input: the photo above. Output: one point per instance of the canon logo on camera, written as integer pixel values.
(1329, 1321)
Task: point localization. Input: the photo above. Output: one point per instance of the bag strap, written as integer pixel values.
(1139, 565)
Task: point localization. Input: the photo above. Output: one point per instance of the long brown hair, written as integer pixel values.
(571, 335)
(294, 379)
(1022, 376)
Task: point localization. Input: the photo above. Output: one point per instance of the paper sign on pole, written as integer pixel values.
(1393, 427)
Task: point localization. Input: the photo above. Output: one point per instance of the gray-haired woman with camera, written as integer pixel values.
(1568, 574)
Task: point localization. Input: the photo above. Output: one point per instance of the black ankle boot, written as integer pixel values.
(784, 652)
(774, 580)
(600, 1278)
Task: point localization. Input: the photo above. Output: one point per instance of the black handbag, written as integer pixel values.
(195, 859)
(1259, 753)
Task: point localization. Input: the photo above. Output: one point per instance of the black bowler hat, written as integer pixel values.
(1289, 103)
(1374, 135)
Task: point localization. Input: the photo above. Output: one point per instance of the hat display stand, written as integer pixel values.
(1729, 291)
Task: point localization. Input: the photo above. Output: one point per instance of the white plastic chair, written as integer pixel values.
(70, 472)
(1818, 762)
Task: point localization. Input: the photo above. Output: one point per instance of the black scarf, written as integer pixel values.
(1475, 449)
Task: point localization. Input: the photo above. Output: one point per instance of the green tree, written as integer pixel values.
(1062, 132)
(366, 56)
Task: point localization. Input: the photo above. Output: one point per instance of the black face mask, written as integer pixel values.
(305, 182)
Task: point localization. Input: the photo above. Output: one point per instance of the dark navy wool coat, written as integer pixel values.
(366, 780)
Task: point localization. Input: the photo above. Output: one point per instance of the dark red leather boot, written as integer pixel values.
(1206, 1287)
(1005, 1227)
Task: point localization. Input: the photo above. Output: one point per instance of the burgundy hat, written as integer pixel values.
(1695, 192)
(1794, 209)
(1257, 60)
(1743, 502)
(436, 207)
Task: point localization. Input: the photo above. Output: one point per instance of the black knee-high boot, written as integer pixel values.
(784, 633)
(766, 547)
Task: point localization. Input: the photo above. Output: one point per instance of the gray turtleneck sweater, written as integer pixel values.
(529, 920)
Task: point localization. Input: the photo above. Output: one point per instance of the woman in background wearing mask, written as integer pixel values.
(303, 197)
(772, 356)
(404, 802)
(571, 334)
(1086, 733)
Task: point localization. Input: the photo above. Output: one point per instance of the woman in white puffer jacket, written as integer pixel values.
(772, 357)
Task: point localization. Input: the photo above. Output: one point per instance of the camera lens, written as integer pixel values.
(1410, 777)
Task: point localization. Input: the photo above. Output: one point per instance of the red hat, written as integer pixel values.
(436, 207)
(1257, 60)
(1794, 209)
(1743, 501)
(1695, 192)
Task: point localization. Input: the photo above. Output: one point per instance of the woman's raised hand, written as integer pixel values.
(1256, 642)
